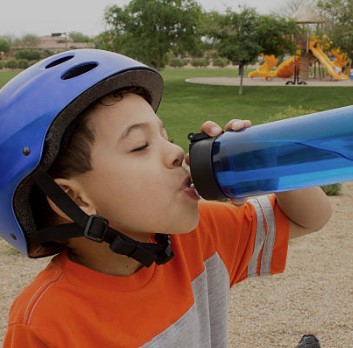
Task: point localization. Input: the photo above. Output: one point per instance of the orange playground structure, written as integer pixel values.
(335, 68)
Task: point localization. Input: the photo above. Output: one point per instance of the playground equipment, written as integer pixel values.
(341, 58)
(333, 70)
(316, 49)
(264, 69)
(285, 69)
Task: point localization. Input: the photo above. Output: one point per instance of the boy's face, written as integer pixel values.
(138, 182)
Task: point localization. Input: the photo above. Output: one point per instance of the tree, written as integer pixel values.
(5, 46)
(210, 25)
(149, 29)
(79, 37)
(339, 25)
(237, 39)
(277, 34)
(243, 36)
(26, 41)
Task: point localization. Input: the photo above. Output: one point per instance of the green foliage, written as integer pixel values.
(339, 23)
(23, 63)
(291, 112)
(12, 64)
(241, 37)
(79, 37)
(177, 62)
(219, 62)
(200, 62)
(237, 37)
(332, 190)
(5, 45)
(28, 54)
(149, 29)
(46, 53)
(275, 34)
(106, 41)
(31, 62)
(27, 40)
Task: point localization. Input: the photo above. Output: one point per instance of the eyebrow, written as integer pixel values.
(142, 125)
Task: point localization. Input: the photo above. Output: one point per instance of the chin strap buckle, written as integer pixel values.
(96, 228)
(145, 253)
(166, 252)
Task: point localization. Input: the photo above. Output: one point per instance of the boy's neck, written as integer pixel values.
(99, 257)
(118, 265)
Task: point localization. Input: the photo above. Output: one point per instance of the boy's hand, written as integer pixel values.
(212, 129)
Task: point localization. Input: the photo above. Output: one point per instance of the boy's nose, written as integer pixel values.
(175, 156)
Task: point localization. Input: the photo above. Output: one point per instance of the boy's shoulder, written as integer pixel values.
(224, 212)
(33, 297)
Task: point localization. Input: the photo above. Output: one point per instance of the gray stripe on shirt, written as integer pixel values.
(265, 217)
(205, 323)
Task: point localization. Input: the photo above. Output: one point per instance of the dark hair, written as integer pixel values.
(74, 156)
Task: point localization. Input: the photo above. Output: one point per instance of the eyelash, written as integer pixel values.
(140, 148)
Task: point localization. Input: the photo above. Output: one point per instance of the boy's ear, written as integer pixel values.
(77, 194)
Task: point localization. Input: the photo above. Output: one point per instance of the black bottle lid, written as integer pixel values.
(201, 166)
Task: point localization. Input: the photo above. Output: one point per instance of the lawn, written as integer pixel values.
(185, 106)
(6, 76)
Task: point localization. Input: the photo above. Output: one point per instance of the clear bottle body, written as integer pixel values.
(305, 151)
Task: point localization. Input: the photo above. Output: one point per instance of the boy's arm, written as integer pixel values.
(308, 210)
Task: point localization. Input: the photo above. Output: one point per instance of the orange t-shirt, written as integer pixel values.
(182, 303)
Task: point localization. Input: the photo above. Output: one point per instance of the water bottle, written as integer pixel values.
(299, 152)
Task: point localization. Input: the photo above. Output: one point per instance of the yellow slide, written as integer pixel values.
(285, 69)
(264, 69)
(333, 71)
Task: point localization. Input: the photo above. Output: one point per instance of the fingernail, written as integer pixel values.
(235, 125)
(215, 130)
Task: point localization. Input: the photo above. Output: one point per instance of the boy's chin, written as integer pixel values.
(186, 228)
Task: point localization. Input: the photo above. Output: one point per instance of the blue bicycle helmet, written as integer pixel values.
(36, 107)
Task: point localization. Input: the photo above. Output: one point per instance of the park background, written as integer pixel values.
(314, 295)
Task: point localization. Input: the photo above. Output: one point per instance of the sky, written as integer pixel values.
(43, 17)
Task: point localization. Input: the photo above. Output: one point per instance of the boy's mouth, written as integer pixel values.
(190, 190)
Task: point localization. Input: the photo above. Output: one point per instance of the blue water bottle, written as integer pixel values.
(304, 151)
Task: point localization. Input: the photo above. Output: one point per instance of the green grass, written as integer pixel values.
(186, 106)
(6, 76)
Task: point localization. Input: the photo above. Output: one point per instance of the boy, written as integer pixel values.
(91, 175)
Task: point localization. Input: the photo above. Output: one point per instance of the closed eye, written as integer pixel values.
(140, 148)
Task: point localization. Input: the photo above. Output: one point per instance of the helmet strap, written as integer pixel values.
(96, 228)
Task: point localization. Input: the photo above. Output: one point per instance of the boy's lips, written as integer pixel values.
(189, 188)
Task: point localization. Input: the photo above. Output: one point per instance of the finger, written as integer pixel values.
(211, 128)
(237, 125)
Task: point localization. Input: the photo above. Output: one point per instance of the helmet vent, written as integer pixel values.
(59, 61)
(78, 70)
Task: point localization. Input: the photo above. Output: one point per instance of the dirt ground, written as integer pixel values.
(314, 295)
